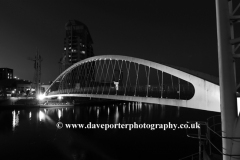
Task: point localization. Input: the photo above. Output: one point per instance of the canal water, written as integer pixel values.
(31, 133)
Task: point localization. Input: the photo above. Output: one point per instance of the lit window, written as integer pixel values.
(83, 52)
(64, 48)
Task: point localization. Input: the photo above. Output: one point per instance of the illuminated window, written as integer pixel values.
(83, 52)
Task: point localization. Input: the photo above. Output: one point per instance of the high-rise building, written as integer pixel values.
(6, 73)
(77, 44)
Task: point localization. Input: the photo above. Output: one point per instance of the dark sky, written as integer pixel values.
(181, 33)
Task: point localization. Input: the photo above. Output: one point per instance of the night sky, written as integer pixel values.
(181, 33)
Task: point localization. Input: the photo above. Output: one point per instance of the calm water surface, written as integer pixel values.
(32, 133)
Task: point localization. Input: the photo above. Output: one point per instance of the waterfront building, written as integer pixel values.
(6, 73)
(17, 87)
(77, 44)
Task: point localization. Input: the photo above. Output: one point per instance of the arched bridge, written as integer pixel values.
(133, 79)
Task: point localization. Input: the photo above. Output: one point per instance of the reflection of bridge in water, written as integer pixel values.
(134, 79)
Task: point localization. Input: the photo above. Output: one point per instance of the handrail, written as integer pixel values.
(210, 128)
(213, 117)
(190, 156)
(203, 137)
(219, 150)
(222, 136)
(200, 122)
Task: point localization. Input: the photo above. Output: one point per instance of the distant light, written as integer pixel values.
(40, 97)
(59, 97)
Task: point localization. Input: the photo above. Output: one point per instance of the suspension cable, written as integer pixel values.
(113, 71)
(136, 70)
(128, 68)
(106, 77)
(158, 80)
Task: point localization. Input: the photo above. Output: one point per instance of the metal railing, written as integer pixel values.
(216, 130)
(191, 157)
(210, 137)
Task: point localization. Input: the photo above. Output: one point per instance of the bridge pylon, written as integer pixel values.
(227, 18)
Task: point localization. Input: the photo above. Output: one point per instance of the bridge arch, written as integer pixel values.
(206, 94)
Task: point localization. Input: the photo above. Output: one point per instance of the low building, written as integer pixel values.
(14, 86)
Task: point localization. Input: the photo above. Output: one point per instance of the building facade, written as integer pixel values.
(6, 73)
(77, 44)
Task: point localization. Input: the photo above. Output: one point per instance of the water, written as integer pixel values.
(31, 133)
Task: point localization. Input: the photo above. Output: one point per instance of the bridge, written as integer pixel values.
(133, 79)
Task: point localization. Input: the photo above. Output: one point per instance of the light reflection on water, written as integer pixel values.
(96, 143)
(15, 119)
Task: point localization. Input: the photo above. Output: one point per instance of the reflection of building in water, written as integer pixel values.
(15, 117)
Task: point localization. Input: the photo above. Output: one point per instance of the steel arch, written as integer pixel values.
(206, 97)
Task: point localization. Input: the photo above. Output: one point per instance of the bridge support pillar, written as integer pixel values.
(228, 100)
